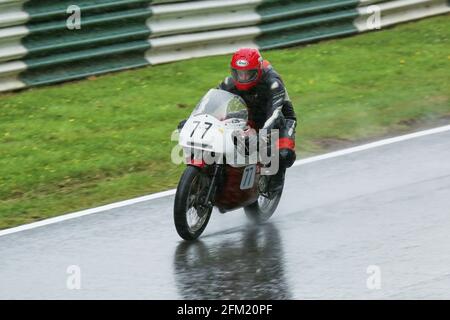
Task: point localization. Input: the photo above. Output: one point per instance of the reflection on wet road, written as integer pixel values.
(247, 267)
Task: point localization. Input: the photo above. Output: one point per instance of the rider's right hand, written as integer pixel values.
(181, 124)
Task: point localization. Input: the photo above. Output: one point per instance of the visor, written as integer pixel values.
(244, 76)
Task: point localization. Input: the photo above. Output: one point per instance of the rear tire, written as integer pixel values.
(262, 209)
(190, 188)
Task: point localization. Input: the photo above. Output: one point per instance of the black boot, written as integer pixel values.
(277, 181)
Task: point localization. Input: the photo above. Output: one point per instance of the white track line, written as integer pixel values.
(172, 192)
(74, 215)
(372, 145)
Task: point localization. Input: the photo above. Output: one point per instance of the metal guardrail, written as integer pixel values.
(37, 48)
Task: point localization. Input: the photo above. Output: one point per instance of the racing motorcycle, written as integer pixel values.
(221, 170)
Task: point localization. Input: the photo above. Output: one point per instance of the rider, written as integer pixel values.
(269, 106)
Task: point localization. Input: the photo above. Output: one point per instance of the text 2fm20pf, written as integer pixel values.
(246, 309)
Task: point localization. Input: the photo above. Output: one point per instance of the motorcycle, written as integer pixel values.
(221, 170)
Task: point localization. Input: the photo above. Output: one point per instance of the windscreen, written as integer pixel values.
(222, 105)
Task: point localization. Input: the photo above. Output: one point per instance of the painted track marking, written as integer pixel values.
(167, 193)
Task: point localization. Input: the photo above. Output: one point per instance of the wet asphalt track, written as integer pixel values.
(388, 206)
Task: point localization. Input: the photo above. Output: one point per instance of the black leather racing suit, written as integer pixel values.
(262, 100)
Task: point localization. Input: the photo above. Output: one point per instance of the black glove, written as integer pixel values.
(181, 124)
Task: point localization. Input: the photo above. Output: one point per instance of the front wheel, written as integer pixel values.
(263, 208)
(190, 214)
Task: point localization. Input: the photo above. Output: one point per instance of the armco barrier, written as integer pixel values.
(37, 48)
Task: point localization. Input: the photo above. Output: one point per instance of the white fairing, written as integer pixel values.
(198, 133)
(204, 134)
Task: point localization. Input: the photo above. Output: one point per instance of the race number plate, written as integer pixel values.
(248, 177)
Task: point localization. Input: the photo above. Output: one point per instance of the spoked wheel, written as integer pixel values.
(190, 214)
(263, 208)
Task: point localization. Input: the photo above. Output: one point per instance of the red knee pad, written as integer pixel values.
(286, 143)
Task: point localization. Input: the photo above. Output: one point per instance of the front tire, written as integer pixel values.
(190, 217)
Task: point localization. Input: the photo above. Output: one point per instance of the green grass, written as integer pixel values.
(92, 142)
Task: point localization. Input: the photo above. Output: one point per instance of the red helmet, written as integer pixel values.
(246, 68)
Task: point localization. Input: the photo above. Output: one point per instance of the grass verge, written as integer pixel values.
(92, 142)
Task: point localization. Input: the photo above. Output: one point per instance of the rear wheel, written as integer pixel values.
(263, 208)
(191, 216)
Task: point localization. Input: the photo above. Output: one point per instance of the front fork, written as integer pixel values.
(207, 201)
(213, 186)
